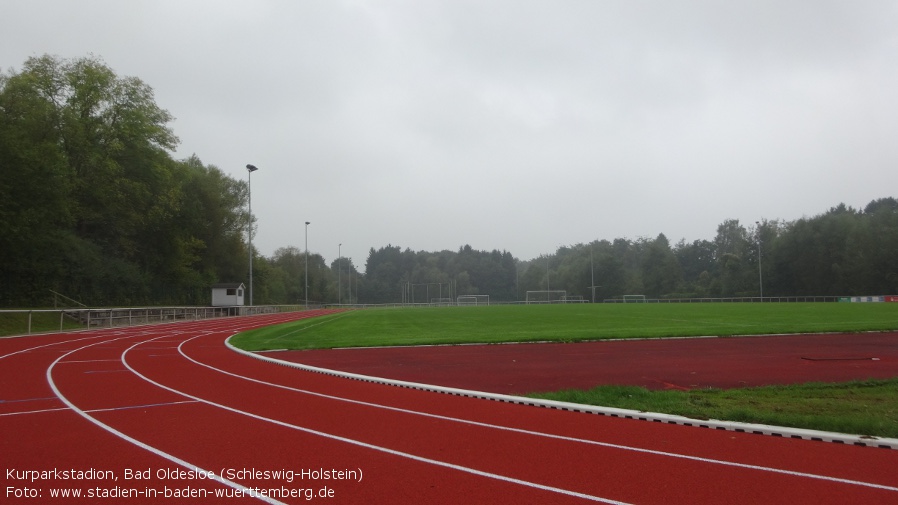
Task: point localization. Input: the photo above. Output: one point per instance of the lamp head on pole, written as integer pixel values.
(251, 168)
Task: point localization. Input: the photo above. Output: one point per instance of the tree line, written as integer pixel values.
(842, 252)
(94, 206)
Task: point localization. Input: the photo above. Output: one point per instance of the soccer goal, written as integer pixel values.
(473, 300)
(546, 296)
(634, 298)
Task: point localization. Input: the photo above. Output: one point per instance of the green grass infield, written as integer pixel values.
(565, 323)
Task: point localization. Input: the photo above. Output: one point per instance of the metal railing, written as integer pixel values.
(738, 299)
(741, 299)
(27, 322)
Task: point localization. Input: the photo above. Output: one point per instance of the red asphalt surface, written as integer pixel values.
(654, 364)
(172, 398)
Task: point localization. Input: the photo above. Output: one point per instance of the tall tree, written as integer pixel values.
(91, 202)
(697, 262)
(661, 274)
(733, 259)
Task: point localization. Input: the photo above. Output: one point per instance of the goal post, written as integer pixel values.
(472, 300)
(634, 298)
(546, 296)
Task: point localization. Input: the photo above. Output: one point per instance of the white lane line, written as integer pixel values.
(21, 351)
(148, 405)
(110, 409)
(550, 435)
(32, 411)
(366, 445)
(89, 361)
(134, 441)
(28, 399)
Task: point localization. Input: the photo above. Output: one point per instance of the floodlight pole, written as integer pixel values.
(339, 293)
(307, 265)
(250, 169)
(760, 275)
(592, 276)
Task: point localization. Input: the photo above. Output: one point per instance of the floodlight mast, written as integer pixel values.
(339, 256)
(592, 277)
(250, 169)
(760, 275)
(307, 264)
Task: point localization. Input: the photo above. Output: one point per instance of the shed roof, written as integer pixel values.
(228, 285)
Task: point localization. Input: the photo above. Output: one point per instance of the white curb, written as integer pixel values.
(761, 429)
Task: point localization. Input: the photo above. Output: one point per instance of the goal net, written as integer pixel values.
(473, 300)
(634, 298)
(544, 296)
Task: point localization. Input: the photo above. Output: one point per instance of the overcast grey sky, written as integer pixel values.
(516, 125)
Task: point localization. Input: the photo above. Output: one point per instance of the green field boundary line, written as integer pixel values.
(758, 429)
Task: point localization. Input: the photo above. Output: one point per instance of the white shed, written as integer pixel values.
(228, 294)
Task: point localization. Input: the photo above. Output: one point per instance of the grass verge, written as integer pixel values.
(860, 407)
(16, 323)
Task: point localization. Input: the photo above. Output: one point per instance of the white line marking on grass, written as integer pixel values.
(329, 320)
(548, 435)
(378, 448)
(134, 441)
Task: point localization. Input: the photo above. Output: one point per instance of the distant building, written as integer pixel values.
(228, 294)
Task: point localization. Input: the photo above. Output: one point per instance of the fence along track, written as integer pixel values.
(28, 322)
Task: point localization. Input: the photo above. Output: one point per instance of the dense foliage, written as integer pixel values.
(841, 252)
(93, 206)
(91, 203)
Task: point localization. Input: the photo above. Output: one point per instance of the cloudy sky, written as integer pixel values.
(516, 125)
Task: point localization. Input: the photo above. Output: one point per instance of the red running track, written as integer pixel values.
(653, 363)
(169, 399)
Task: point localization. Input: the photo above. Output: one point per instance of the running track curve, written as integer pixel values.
(175, 401)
